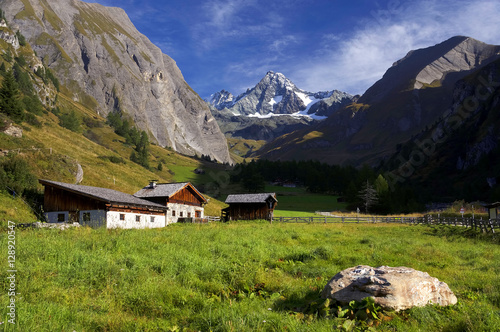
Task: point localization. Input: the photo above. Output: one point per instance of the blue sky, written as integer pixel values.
(320, 45)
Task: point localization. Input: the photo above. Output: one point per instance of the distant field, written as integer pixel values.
(297, 202)
(237, 277)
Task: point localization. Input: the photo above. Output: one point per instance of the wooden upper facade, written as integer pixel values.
(165, 193)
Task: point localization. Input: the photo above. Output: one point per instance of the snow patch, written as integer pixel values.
(275, 100)
(263, 116)
(308, 100)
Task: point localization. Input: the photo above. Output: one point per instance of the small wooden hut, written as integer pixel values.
(250, 206)
(493, 210)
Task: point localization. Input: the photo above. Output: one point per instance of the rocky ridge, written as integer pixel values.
(109, 66)
(274, 107)
(411, 96)
(276, 94)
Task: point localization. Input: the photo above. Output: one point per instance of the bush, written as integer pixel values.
(92, 123)
(15, 175)
(33, 120)
(70, 121)
(113, 159)
(33, 105)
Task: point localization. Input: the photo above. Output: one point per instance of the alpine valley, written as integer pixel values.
(435, 112)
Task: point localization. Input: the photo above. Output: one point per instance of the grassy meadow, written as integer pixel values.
(248, 276)
(298, 202)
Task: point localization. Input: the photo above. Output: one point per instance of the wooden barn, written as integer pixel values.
(183, 200)
(250, 206)
(95, 207)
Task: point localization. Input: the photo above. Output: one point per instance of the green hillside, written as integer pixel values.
(60, 135)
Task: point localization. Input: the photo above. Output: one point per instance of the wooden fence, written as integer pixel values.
(484, 225)
(205, 220)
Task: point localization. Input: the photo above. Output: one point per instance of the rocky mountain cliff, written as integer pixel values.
(459, 155)
(106, 64)
(275, 106)
(412, 95)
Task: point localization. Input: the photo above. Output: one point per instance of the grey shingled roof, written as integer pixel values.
(164, 190)
(492, 205)
(103, 194)
(250, 198)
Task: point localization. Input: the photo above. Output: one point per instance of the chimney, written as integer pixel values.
(152, 184)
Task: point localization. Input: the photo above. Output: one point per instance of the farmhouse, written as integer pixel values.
(183, 200)
(95, 207)
(250, 206)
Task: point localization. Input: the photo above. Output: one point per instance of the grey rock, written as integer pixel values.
(393, 288)
(239, 126)
(13, 131)
(9, 36)
(108, 65)
(468, 54)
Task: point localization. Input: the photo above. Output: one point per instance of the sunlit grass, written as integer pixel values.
(237, 277)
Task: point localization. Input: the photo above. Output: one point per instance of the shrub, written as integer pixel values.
(70, 121)
(15, 175)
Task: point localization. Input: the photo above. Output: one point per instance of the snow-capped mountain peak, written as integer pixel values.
(275, 95)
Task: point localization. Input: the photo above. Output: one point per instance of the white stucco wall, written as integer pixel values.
(130, 220)
(185, 209)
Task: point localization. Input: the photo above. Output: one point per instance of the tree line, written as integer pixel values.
(364, 188)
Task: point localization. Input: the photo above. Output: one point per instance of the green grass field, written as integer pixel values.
(297, 202)
(236, 277)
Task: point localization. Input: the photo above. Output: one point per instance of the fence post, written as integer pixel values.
(342, 219)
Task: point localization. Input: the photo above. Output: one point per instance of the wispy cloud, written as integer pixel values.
(279, 45)
(356, 61)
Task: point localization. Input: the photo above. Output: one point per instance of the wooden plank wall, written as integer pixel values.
(248, 211)
(56, 199)
(185, 196)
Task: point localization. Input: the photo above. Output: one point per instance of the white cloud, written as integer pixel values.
(229, 20)
(280, 44)
(358, 60)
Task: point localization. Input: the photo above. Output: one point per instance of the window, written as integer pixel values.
(122, 216)
(198, 214)
(138, 218)
(86, 216)
(61, 217)
(189, 214)
(173, 213)
(181, 214)
(152, 219)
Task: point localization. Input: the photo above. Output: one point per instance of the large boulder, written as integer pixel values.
(393, 288)
(13, 131)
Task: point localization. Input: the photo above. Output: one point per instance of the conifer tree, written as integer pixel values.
(10, 102)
